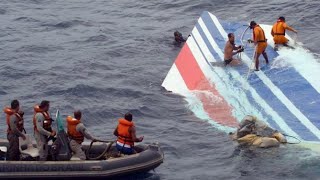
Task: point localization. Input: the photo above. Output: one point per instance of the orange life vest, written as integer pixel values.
(72, 131)
(258, 34)
(279, 28)
(47, 119)
(124, 136)
(279, 32)
(9, 112)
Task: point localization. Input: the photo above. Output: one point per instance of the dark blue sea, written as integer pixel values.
(108, 57)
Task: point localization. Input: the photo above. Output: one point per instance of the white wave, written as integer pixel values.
(213, 98)
(276, 91)
(195, 105)
(235, 95)
(305, 62)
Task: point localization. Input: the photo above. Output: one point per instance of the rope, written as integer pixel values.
(242, 35)
(295, 39)
(245, 46)
(299, 141)
(253, 58)
(103, 153)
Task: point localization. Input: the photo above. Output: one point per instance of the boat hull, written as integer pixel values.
(148, 158)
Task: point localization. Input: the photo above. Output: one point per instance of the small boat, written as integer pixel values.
(103, 162)
(103, 159)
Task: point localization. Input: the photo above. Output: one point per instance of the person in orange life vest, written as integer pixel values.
(77, 132)
(14, 118)
(260, 41)
(278, 32)
(126, 133)
(42, 128)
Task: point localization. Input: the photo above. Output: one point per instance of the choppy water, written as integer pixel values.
(110, 57)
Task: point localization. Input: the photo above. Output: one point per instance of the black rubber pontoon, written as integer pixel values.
(148, 157)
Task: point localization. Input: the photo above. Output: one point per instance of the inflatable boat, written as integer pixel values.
(104, 162)
(103, 159)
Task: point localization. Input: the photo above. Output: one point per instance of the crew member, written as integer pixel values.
(14, 118)
(126, 133)
(260, 41)
(178, 37)
(229, 51)
(42, 128)
(278, 32)
(77, 132)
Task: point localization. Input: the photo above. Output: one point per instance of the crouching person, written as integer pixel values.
(126, 133)
(254, 132)
(77, 132)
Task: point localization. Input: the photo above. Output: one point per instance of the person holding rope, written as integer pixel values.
(126, 133)
(77, 132)
(230, 50)
(278, 32)
(260, 41)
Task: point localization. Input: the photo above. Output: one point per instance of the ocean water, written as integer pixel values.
(109, 57)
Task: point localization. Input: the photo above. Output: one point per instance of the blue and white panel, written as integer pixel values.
(285, 93)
